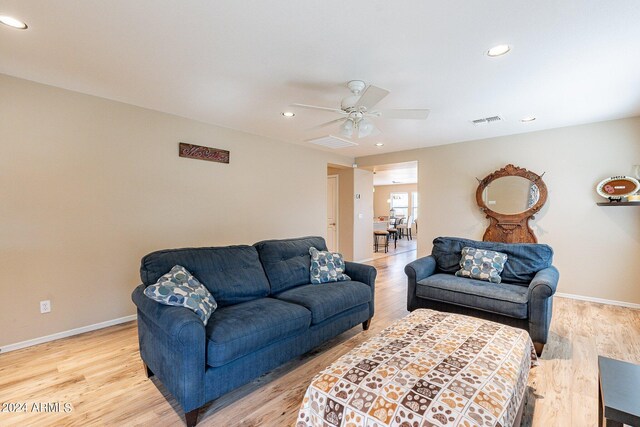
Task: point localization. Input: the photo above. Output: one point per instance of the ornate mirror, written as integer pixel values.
(510, 197)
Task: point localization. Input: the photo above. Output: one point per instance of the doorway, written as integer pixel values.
(332, 212)
(395, 206)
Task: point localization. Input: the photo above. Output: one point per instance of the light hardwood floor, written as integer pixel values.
(101, 376)
(402, 245)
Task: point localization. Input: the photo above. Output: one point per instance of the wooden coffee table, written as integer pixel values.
(619, 393)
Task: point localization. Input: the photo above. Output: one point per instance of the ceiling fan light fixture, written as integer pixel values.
(357, 109)
(499, 50)
(12, 22)
(346, 129)
(365, 128)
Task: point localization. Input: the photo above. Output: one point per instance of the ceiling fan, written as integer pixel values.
(358, 109)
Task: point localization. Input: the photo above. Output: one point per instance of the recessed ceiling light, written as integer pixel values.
(499, 50)
(527, 119)
(288, 114)
(13, 22)
(379, 144)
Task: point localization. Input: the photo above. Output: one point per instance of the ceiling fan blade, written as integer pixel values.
(315, 107)
(371, 96)
(413, 114)
(327, 123)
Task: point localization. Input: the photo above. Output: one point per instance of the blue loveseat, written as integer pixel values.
(524, 299)
(268, 313)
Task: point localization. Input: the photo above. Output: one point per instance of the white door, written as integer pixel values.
(332, 213)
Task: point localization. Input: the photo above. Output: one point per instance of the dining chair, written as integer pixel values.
(405, 226)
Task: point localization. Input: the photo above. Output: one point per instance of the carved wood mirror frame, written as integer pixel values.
(511, 228)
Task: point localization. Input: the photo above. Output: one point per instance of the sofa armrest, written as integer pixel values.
(177, 322)
(416, 271)
(173, 345)
(541, 290)
(361, 272)
(365, 274)
(421, 268)
(544, 283)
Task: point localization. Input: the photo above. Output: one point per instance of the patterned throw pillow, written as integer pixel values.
(326, 267)
(179, 288)
(482, 264)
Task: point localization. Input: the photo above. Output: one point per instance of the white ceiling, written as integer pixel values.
(239, 64)
(396, 176)
(394, 173)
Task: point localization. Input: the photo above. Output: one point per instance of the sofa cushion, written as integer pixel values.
(287, 262)
(240, 329)
(328, 299)
(233, 274)
(505, 299)
(481, 264)
(179, 288)
(326, 267)
(525, 259)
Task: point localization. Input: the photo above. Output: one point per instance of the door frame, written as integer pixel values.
(337, 204)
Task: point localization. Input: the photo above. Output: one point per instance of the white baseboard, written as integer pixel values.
(65, 334)
(29, 343)
(599, 300)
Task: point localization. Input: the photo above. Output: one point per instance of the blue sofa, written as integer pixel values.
(268, 313)
(524, 299)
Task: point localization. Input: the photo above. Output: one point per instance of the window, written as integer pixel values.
(400, 204)
(414, 205)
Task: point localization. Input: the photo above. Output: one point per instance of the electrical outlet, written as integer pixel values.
(45, 306)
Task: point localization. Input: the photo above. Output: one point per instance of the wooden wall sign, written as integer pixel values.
(191, 151)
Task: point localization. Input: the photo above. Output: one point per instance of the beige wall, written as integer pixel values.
(363, 214)
(596, 248)
(89, 186)
(383, 193)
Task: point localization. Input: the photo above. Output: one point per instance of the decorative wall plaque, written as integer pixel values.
(191, 151)
(617, 187)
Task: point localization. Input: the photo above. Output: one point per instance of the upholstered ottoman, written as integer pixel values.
(430, 368)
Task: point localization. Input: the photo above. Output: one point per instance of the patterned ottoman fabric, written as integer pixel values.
(428, 369)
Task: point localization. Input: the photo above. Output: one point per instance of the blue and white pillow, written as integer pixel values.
(179, 288)
(482, 264)
(326, 267)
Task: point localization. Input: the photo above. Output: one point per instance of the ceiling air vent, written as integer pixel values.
(487, 120)
(331, 141)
